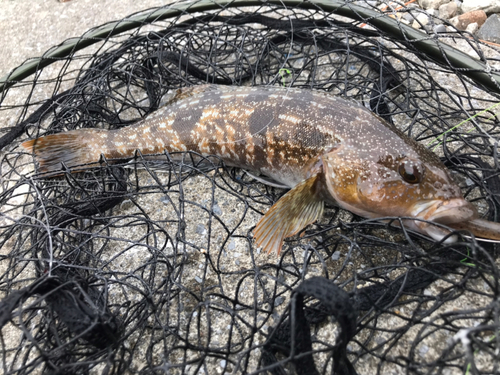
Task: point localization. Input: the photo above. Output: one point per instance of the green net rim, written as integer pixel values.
(435, 49)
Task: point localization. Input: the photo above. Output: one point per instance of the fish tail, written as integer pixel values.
(69, 149)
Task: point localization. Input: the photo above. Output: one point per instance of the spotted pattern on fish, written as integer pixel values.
(321, 146)
(265, 129)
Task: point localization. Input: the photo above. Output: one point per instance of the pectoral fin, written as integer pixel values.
(298, 208)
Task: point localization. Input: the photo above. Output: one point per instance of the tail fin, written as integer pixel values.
(72, 148)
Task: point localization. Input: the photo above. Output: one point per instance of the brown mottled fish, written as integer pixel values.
(322, 147)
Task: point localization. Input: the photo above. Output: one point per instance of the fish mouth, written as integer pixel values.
(445, 212)
(453, 211)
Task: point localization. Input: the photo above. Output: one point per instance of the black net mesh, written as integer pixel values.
(150, 268)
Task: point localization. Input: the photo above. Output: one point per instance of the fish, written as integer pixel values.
(324, 148)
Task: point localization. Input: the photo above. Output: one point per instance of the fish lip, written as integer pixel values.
(452, 211)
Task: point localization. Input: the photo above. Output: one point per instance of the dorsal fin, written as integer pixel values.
(186, 92)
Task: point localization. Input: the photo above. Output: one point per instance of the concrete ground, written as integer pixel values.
(30, 27)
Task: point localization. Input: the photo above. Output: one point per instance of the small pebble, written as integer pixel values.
(336, 255)
(198, 279)
(200, 229)
(232, 245)
(126, 204)
(409, 16)
(278, 301)
(216, 210)
(423, 350)
(439, 29)
(379, 340)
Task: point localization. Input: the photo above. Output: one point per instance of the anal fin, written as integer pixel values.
(266, 181)
(298, 208)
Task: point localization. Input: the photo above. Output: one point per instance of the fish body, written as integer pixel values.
(323, 147)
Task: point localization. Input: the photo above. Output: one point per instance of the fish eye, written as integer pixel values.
(410, 172)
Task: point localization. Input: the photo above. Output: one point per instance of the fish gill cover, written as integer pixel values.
(149, 267)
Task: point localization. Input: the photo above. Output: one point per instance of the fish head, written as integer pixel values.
(413, 184)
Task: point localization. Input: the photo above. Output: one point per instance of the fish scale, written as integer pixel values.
(259, 129)
(325, 148)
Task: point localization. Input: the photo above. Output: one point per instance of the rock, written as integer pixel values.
(404, 21)
(490, 31)
(447, 11)
(432, 4)
(461, 22)
(488, 6)
(421, 20)
(367, 3)
(439, 29)
(472, 28)
(126, 204)
(409, 17)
